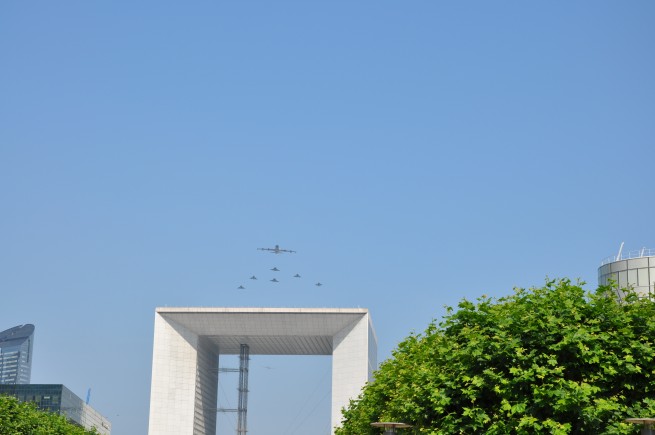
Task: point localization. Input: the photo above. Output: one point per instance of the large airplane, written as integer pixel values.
(276, 250)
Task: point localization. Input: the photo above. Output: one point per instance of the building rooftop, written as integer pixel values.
(639, 253)
(14, 336)
(268, 331)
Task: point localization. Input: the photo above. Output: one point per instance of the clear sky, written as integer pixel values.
(414, 153)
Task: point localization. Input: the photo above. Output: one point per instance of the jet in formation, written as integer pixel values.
(276, 250)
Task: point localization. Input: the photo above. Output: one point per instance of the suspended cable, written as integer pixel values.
(309, 400)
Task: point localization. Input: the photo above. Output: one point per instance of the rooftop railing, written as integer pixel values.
(643, 252)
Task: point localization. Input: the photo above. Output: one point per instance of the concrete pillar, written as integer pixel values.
(354, 355)
(183, 393)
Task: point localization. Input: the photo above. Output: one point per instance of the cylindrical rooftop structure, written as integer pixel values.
(634, 269)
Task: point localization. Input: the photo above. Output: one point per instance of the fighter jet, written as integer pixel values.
(296, 276)
(276, 250)
(275, 269)
(253, 277)
(318, 284)
(241, 287)
(274, 280)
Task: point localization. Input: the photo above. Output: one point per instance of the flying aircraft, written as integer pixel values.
(253, 277)
(296, 275)
(276, 250)
(274, 280)
(241, 287)
(275, 269)
(318, 284)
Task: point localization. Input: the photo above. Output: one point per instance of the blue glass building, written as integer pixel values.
(16, 354)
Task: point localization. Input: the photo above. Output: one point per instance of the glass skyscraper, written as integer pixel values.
(16, 354)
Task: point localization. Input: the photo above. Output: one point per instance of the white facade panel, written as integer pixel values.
(172, 394)
(351, 363)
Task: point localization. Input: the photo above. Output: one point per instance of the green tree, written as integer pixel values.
(23, 418)
(549, 360)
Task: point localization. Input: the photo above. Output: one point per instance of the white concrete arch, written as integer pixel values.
(188, 342)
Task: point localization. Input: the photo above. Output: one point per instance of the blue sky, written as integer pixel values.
(413, 153)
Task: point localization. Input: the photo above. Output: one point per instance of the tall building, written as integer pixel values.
(60, 400)
(16, 354)
(634, 269)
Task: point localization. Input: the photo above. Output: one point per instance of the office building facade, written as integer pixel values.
(16, 354)
(58, 399)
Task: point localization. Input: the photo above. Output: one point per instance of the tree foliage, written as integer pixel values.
(23, 418)
(549, 360)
